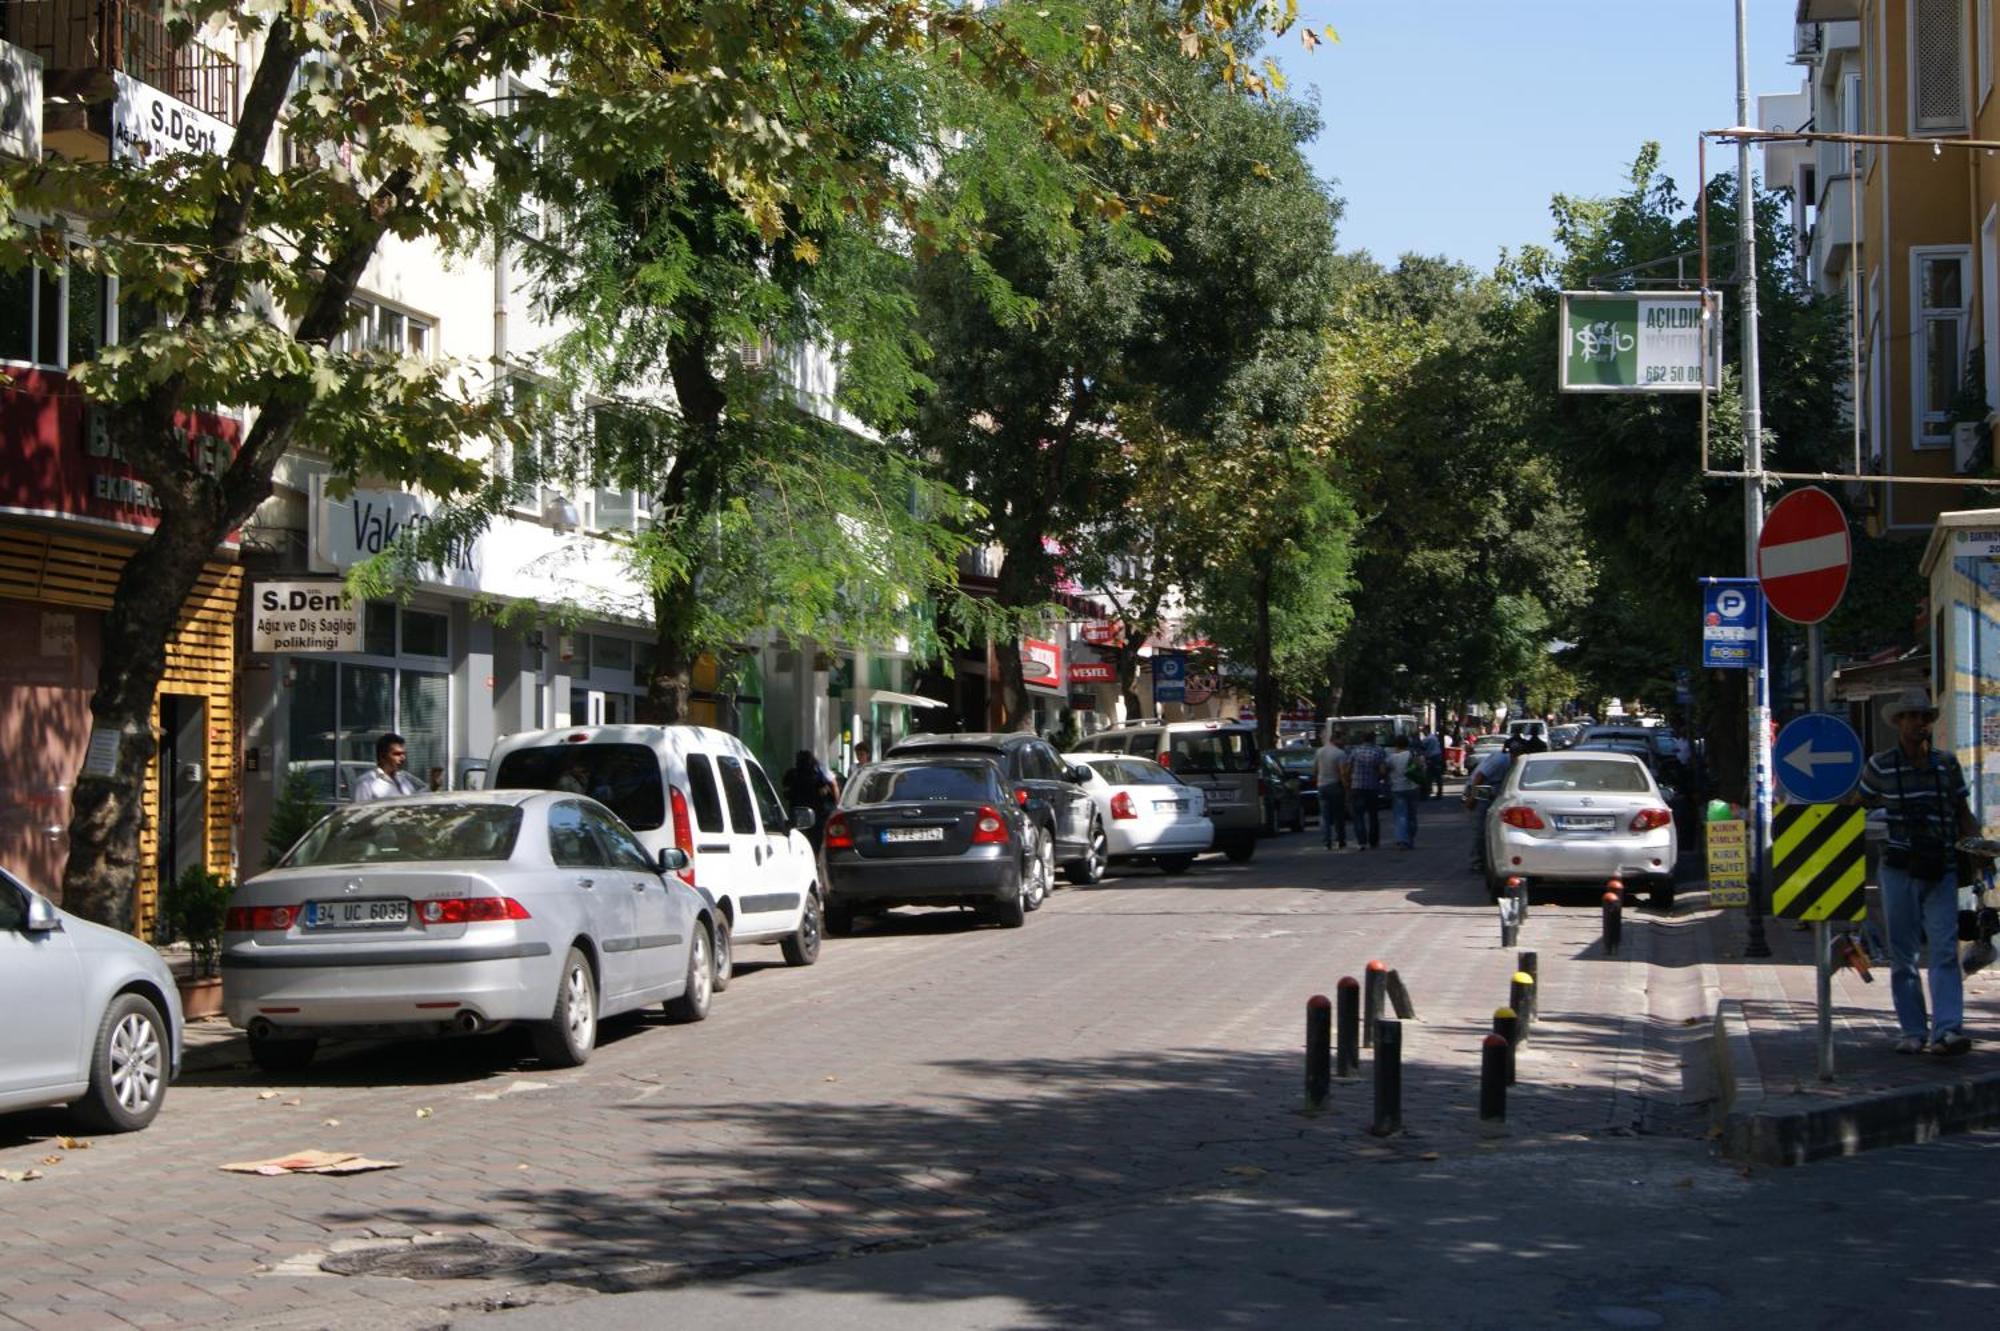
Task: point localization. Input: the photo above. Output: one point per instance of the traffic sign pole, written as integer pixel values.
(1753, 495)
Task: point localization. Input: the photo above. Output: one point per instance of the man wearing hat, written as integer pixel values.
(1924, 793)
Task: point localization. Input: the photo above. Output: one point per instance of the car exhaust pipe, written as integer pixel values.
(467, 1022)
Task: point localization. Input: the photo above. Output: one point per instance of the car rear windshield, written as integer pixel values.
(1133, 772)
(1214, 751)
(408, 833)
(889, 784)
(1611, 778)
(623, 777)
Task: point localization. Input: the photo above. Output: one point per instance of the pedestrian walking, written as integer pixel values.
(388, 780)
(1364, 776)
(1486, 778)
(1924, 794)
(1432, 750)
(1405, 769)
(808, 785)
(1328, 760)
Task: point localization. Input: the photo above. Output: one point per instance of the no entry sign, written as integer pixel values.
(1803, 556)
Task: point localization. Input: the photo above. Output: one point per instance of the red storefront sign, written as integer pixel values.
(1104, 634)
(57, 459)
(1041, 665)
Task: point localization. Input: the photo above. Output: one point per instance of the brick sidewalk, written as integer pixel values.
(1135, 1040)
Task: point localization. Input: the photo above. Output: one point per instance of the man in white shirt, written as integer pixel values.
(388, 780)
(1327, 762)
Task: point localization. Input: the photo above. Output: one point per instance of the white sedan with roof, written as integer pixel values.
(1581, 817)
(1144, 812)
(453, 914)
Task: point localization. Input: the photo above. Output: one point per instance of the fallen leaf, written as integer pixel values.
(330, 1123)
(52, 1159)
(20, 1175)
(520, 1166)
(425, 1112)
(1247, 1171)
(293, 1103)
(1430, 1155)
(833, 1079)
(267, 1095)
(311, 1162)
(73, 1143)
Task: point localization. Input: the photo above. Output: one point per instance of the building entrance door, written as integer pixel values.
(183, 811)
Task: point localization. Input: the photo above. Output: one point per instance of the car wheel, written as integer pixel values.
(1174, 863)
(1090, 869)
(1661, 895)
(725, 953)
(279, 1056)
(128, 1067)
(802, 947)
(692, 1005)
(839, 920)
(1239, 852)
(567, 1037)
(1013, 912)
(1039, 874)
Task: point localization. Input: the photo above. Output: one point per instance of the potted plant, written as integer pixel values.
(193, 908)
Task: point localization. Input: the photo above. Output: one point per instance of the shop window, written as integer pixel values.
(57, 319)
(610, 653)
(426, 634)
(339, 709)
(378, 629)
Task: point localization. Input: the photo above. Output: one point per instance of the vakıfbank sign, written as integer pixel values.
(1640, 342)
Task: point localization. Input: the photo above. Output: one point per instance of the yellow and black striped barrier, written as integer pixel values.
(1818, 862)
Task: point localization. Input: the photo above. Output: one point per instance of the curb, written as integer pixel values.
(1763, 1130)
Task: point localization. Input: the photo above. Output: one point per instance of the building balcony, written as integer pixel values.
(1832, 231)
(79, 42)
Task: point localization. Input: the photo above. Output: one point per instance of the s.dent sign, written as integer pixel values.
(304, 617)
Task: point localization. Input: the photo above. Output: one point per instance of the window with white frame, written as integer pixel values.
(1850, 104)
(532, 214)
(616, 505)
(54, 319)
(1939, 312)
(373, 326)
(1989, 304)
(1937, 67)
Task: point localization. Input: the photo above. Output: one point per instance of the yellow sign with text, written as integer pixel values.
(1728, 863)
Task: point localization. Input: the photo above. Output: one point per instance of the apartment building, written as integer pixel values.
(1906, 235)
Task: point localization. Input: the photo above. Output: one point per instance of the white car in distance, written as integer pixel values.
(1144, 812)
(1583, 818)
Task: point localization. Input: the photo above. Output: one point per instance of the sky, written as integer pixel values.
(1449, 124)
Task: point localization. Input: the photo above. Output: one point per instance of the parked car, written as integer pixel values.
(454, 914)
(1301, 765)
(1279, 788)
(1482, 748)
(1147, 812)
(702, 792)
(1218, 757)
(1565, 736)
(93, 1018)
(934, 830)
(1582, 817)
(1041, 783)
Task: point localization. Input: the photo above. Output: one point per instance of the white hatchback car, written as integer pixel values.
(1582, 818)
(1144, 811)
(105, 1034)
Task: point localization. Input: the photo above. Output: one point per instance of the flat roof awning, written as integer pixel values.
(903, 699)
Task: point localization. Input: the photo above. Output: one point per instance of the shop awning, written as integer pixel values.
(903, 699)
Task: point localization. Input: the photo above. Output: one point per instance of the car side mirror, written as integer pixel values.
(1077, 774)
(803, 818)
(672, 859)
(43, 917)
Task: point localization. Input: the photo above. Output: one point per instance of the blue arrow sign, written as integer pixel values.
(1818, 758)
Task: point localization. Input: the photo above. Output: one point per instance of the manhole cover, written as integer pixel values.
(449, 1259)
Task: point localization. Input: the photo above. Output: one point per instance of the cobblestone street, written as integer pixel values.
(926, 1078)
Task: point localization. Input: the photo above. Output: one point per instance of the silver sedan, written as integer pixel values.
(1581, 817)
(94, 1020)
(456, 913)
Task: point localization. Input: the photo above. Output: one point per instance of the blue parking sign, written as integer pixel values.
(1170, 677)
(1732, 613)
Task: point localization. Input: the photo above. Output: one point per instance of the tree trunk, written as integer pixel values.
(1264, 690)
(1016, 712)
(669, 696)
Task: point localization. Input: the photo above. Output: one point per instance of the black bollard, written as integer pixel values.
(1388, 1078)
(1521, 997)
(1399, 997)
(1614, 920)
(1508, 1027)
(1494, 1068)
(1530, 965)
(1371, 1001)
(1510, 921)
(1347, 1049)
(1319, 1050)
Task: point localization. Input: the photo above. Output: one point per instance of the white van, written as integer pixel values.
(1350, 730)
(702, 791)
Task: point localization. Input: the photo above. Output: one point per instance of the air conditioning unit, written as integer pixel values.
(1970, 447)
(758, 354)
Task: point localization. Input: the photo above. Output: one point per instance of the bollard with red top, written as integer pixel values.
(1319, 1050)
(1377, 977)
(1614, 916)
(1347, 1047)
(1495, 1071)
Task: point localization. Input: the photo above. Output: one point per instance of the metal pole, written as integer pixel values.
(1823, 963)
(1815, 686)
(1753, 493)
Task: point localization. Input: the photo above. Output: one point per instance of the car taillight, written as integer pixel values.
(991, 829)
(838, 837)
(1121, 805)
(1021, 795)
(1647, 819)
(1521, 816)
(683, 834)
(470, 910)
(252, 919)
